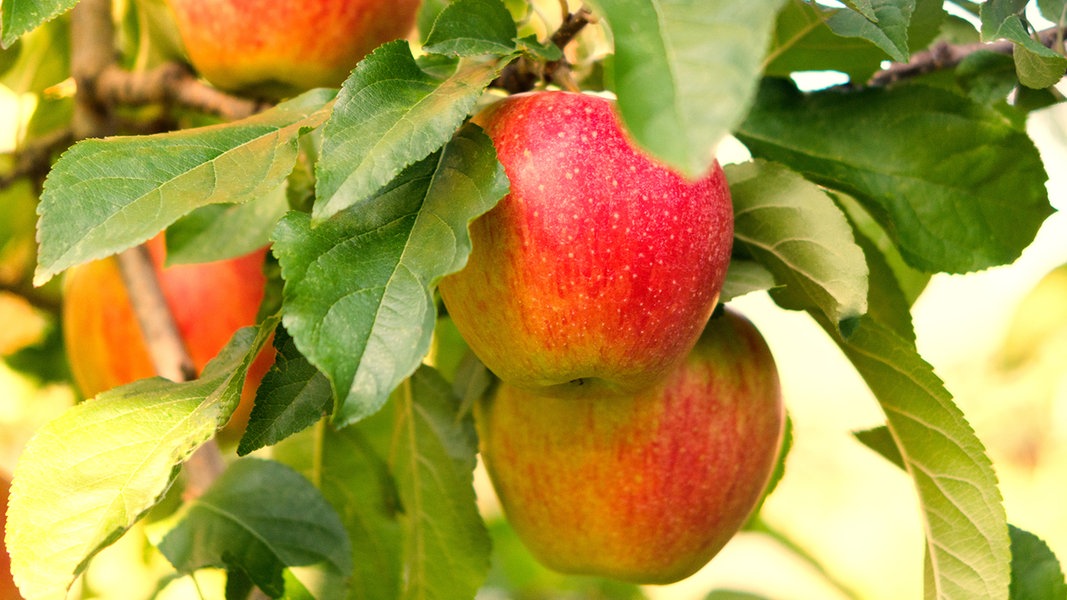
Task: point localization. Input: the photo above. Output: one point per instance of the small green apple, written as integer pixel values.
(646, 488)
(281, 47)
(599, 269)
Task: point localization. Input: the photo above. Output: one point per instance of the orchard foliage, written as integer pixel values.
(362, 483)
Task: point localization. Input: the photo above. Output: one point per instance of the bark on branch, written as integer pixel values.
(946, 56)
(524, 74)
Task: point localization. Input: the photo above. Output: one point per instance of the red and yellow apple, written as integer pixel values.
(601, 266)
(646, 488)
(209, 302)
(281, 47)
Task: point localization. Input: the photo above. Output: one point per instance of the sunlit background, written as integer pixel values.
(854, 513)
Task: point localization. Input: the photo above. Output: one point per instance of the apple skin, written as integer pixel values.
(648, 488)
(209, 302)
(283, 47)
(601, 266)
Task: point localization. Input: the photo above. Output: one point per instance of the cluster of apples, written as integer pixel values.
(630, 436)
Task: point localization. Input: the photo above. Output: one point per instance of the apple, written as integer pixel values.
(599, 269)
(209, 301)
(8, 591)
(646, 488)
(282, 47)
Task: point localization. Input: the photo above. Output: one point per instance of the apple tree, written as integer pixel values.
(355, 476)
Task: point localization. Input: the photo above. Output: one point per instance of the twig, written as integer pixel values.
(171, 83)
(945, 56)
(524, 74)
(92, 55)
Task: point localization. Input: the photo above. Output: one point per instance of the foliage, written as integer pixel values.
(362, 433)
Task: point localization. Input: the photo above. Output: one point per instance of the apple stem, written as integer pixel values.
(92, 54)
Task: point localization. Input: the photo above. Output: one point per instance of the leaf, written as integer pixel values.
(446, 545)
(42, 60)
(971, 197)
(358, 288)
(90, 474)
(390, 114)
(863, 7)
(22, 16)
(296, 531)
(881, 441)
(292, 397)
(962, 511)
(106, 195)
(473, 27)
(744, 277)
(795, 230)
(1053, 10)
(1037, 65)
(889, 32)
(354, 477)
(220, 231)
(685, 71)
(803, 41)
(1035, 571)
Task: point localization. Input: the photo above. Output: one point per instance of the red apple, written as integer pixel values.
(646, 488)
(601, 266)
(8, 591)
(209, 301)
(279, 47)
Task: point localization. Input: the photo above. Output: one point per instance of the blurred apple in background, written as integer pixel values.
(646, 488)
(600, 268)
(283, 47)
(209, 301)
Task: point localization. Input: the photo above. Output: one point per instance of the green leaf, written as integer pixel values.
(802, 41)
(354, 477)
(358, 287)
(232, 525)
(863, 7)
(889, 32)
(1037, 65)
(22, 16)
(962, 511)
(1053, 10)
(90, 474)
(873, 239)
(220, 231)
(881, 441)
(795, 230)
(1035, 571)
(886, 302)
(473, 27)
(445, 542)
(292, 397)
(390, 114)
(971, 197)
(42, 61)
(745, 276)
(685, 71)
(106, 195)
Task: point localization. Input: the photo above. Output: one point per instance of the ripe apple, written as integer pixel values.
(209, 301)
(8, 591)
(646, 488)
(601, 266)
(281, 47)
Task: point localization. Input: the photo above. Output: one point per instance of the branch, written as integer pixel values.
(946, 56)
(523, 74)
(171, 83)
(92, 56)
